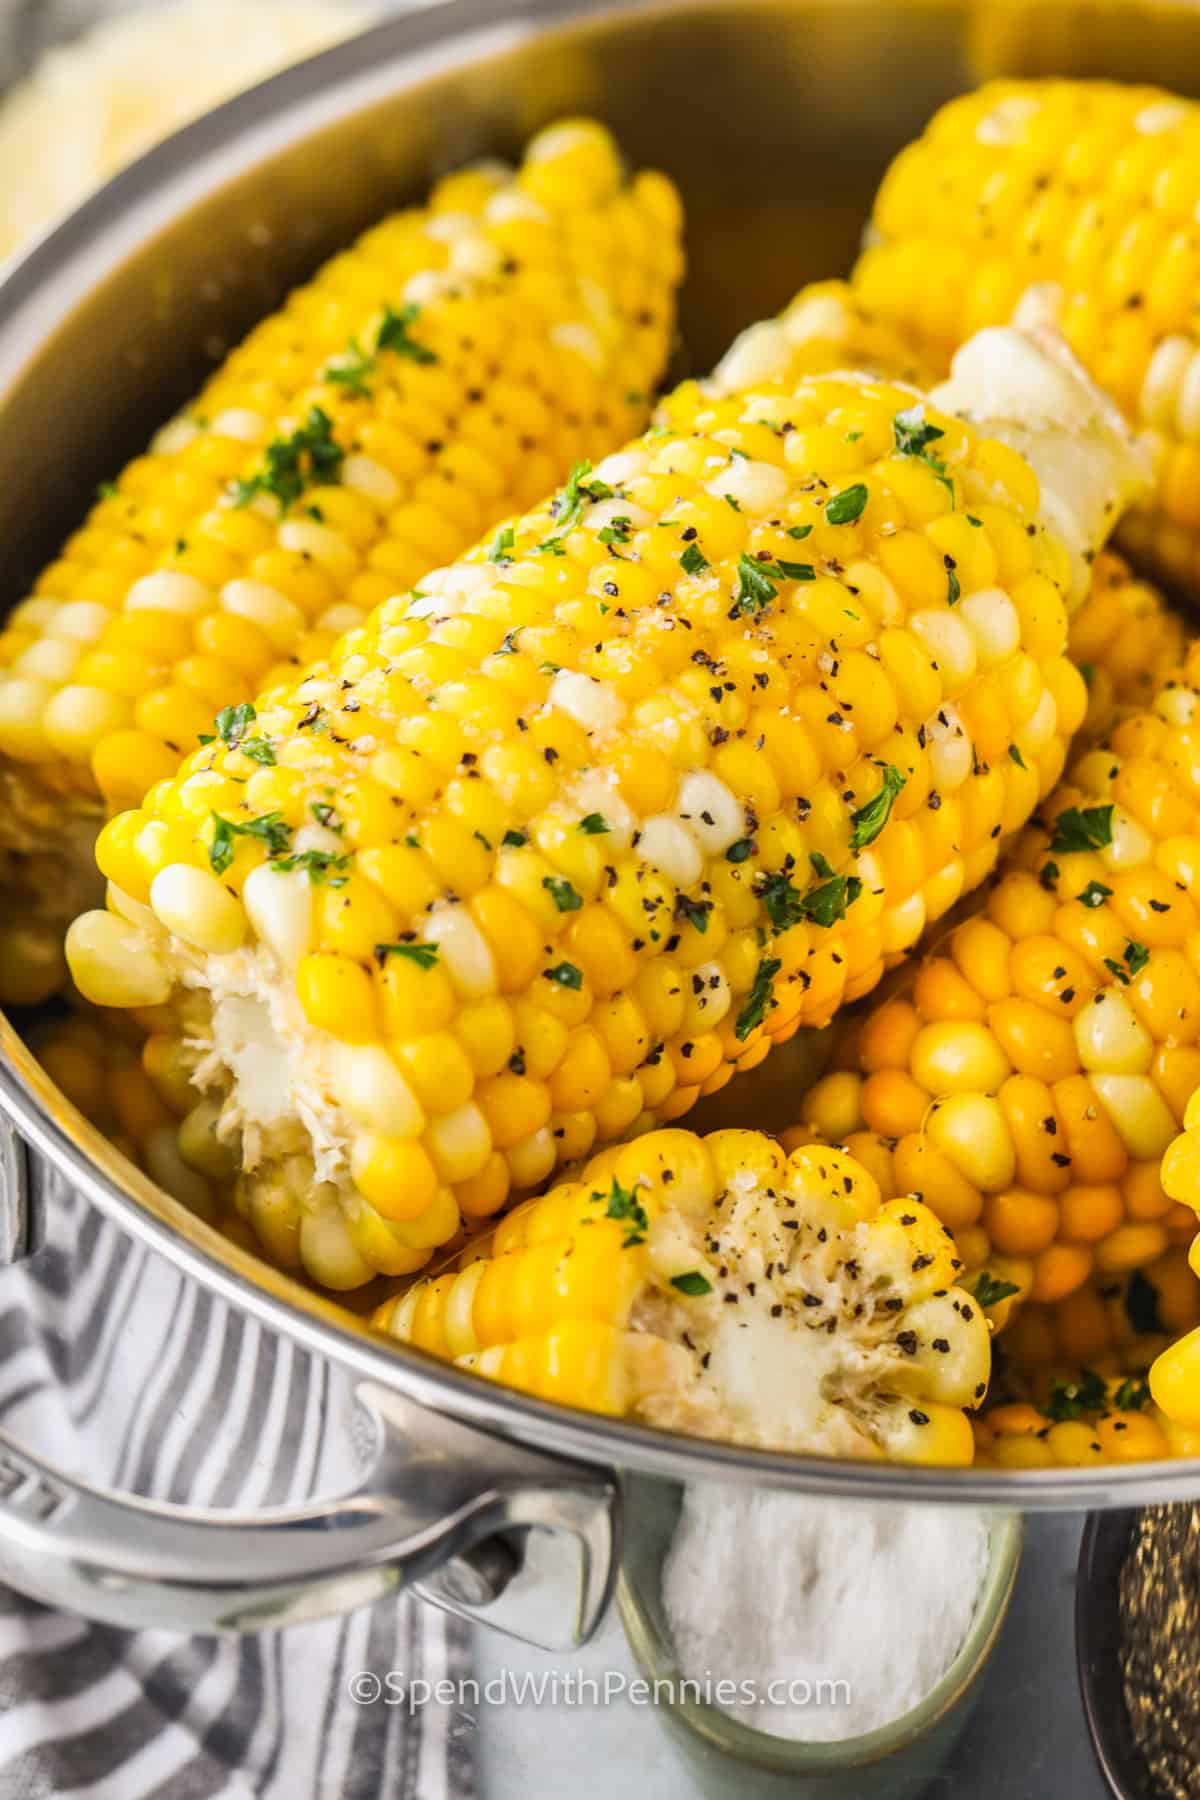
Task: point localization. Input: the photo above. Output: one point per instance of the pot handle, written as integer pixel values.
(453, 1512)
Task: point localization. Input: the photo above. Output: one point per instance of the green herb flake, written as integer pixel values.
(694, 912)
(231, 723)
(739, 851)
(760, 998)
(107, 490)
(309, 457)
(990, 1291)
(825, 904)
(1071, 1399)
(1136, 957)
(619, 530)
(269, 829)
(565, 974)
(1132, 1395)
(1079, 829)
(424, 955)
(782, 900)
(847, 506)
(351, 370)
(514, 840)
(501, 544)
(259, 750)
(394, 335)
(692, 1283)
(799, 532)
(622, 1204)
(693, 561)
(562, 893)
(870, 819)
(1016, 756)
(912, 432)
(1048, 876)
(593, 825)
(1094, 894)
(318, 865)
(953, 590)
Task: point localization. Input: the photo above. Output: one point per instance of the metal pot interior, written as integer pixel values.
(777, 118)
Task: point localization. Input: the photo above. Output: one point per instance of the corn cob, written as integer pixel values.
(117, 1079)
(446, 370)
(1079, 197)
(1123, 640)
(714, 1286)
(1087, 1421)
(1032, 1078)
(633, 793)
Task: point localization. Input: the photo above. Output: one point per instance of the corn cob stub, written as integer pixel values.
(1029, 1082)
(655, 776)
(1175, 1374)
(718, 1287)
(1085, 193)
(446, 370)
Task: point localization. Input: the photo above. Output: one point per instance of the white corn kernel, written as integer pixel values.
(115, 964)
(274, 614)
(992, 620)
(1110, 1037)
(196, 907)
(593, 704)
(465, 953)
(711, 811)
(1138, 1111)
(459, 1142)
(77, 718)
(949, 643)
(169, 590)
(758, 487)
(371, 479)
(667, 845)
(367, 1083)
(278, 904)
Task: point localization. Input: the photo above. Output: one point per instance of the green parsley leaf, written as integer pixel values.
(693, 560)
(847, 506)
(270, 829)
(755, 588)
(1136, 956)
(424, 955)
(1132, 1395)
(912, 433)
(593, 824)
(618, 531)
(989, 1291)
(107, 490)
(782, 900)
(566, 975)
(1017, 757)
(739, 851)
(259, 750)
(1048, 876)
(759, 999)
(1078, 829)
(351, 369)
(562, 893)
(394, 335)
(309, 457)
(1071, 1399)
(799, 532)
(692, 1283)
(870, 819)
(514, 840)
(622, 1204)
(1094, 894)
(501, 544)
(828, 903)
(231, 723)
(318, 865)
(695, 912)
(953, 590)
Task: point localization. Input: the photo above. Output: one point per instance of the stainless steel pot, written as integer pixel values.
(777, 118)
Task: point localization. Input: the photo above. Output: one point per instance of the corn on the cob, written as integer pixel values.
(1030, 1082)
(132, 1089)
(1123, 640)
(1080, 197)
(715, 1286)
(1086, 1421)
(445, 371)
(657, 775)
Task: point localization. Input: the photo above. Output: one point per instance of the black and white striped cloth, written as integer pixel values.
(113, 1363)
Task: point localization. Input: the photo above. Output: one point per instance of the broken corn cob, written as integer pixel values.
(1077, 197)
(446, 370)
(656, 775)
(718, 1287)
(1030, 1080)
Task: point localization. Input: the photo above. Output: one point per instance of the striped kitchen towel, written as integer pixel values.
(114, 1363)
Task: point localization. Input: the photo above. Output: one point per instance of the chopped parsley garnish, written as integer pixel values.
(799, 532)
(622, 1204)
(231, 723)
(847, 506)
(514, 840)
(1071, 1399)
(351, 369)
(692, 1283)
(1136, 956)
(695, 912)
(989, 1291)
(107, 490)
(761, 997)
(594, 824)
(1079, 829)
(394, 335)
(1048, 876)
(870, 819)
(569, 504)
(270, 829)
(501, 544)
(566, 975)
(826, 904)
(424, 955)
(326, 815)
(693, 561)
(309, 457)
(739, 851)
(913, 435)
(318, 865)
(259, 750)
(953, 590)
(618, 531)
(758, 579)
(783, 901)
(1017, 757)
(1094, 894)
(562, 893)
(1132, 1395)
(508, 643)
